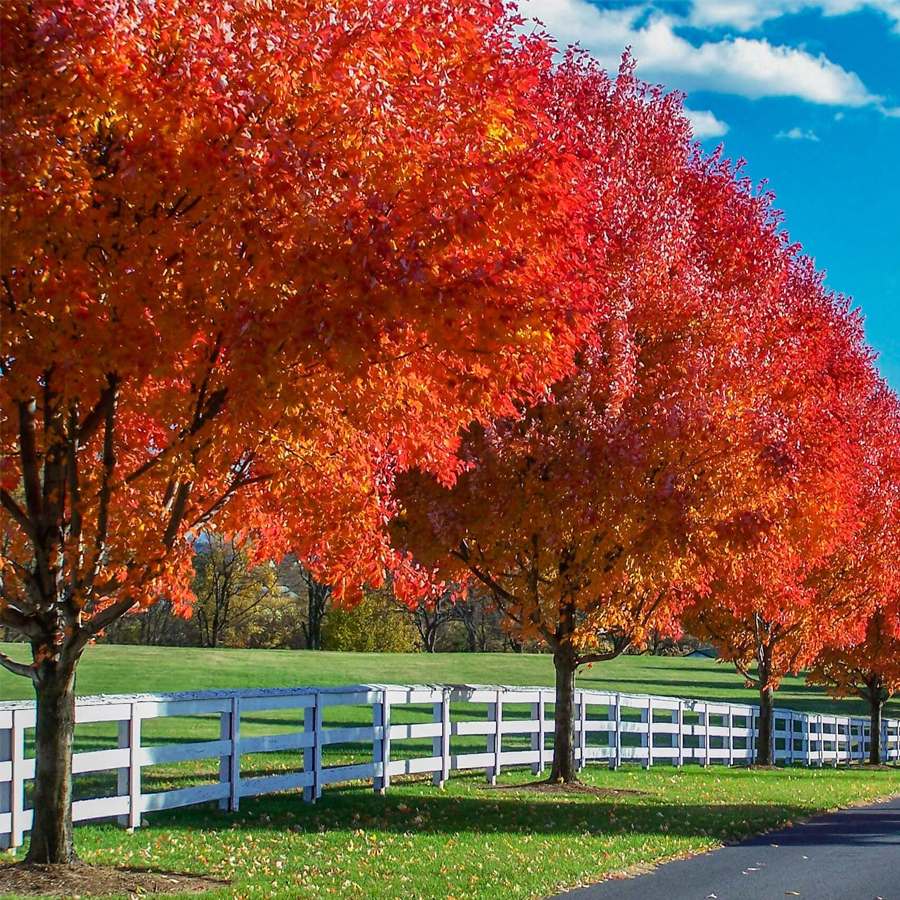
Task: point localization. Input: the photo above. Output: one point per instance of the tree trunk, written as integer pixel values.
(467, 617)
(765, 745)
(51, 832)
(876, 706)
(564, 718)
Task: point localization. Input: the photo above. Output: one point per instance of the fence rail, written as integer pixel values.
(610, 727)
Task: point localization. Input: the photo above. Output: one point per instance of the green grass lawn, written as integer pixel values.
(467, 841)
(418, 841)
(119, 669)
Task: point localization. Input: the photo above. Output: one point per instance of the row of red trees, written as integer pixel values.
(384, 285)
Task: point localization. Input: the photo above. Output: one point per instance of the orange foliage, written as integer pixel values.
(254, 260)
(861, 579)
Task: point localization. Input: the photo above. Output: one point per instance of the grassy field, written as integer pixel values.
(468, 841)
(118, 669)
(419, 842)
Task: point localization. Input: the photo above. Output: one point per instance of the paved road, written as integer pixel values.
(853, 854)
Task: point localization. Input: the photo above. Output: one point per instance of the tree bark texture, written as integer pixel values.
(564, 717)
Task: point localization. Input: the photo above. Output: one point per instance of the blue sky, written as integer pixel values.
(808, 93)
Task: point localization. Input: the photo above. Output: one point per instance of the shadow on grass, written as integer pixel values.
(351, 808)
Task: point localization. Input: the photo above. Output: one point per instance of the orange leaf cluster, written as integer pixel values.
(256, 258)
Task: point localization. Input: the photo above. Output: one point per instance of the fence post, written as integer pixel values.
(381, 713)
(537, 736)
(790, 740)
(861, 746)
(6, 786)
(706, 757)
(751, 742)
(225, 758)
(309, 753)
(17, 787)
(378, 744)
(441, 744)
(582, 732)
(129, 778)
(539, 740)
(234, 779)
(866, 747)
(648, 737)
(821, 742)
(494, 740)
(679, 737)
(807, 739)
(616, 735)
(317, 746)
(849, 754)
(730, 736)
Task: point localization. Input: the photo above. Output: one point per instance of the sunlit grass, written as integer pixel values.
(128, 669)
(419, 842)
(467, 841)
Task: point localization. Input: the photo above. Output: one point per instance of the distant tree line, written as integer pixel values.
(245, 605)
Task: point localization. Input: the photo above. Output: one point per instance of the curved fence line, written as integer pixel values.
(461, 727)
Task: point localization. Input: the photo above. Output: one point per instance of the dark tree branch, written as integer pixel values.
(201, 416)
(585, 658)
(178, 507)
(29, 625)
(235, 486)
(97, 416)
(106, 616)
(109, 465)
(75, 517)
(28, 452)
(17, 668)
(19, 516)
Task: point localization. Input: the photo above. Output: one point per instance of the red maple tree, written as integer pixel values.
(255, 258)
(861, 579)
(595, 513)
(801, 476)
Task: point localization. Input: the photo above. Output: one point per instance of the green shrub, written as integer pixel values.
(376, 625)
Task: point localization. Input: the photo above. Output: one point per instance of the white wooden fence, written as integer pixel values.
(610, 727)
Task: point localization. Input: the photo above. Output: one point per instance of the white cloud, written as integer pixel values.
(705, 124)
(797, 134)
(745, 15)
(735, 65)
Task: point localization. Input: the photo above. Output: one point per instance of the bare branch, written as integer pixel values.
(17, 668)
(585, 658)
(109, 465)
(75, 517)
(95, 418)
(19, 516)
(30, 471)
(201, 416)
(756, 682)
(28, 625)
(177, 514)
(106, 616)
(235, 486)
